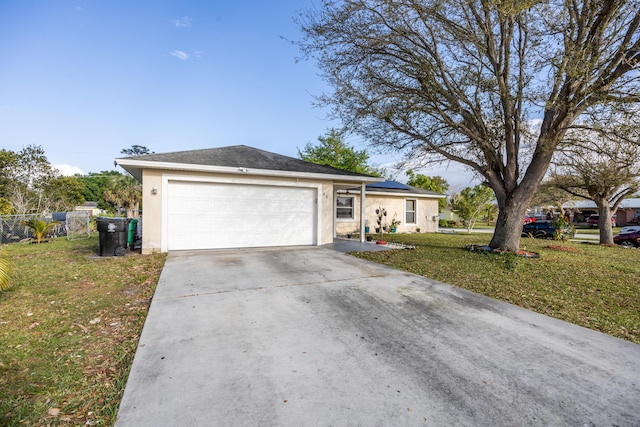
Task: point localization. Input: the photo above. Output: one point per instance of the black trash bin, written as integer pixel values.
(113, 235)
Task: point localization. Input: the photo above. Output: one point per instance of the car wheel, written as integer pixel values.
(540, 235)
(626, 243)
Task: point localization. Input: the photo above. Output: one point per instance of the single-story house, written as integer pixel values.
(238, 196)
(628, 211)
(416, 209)
(91, 207)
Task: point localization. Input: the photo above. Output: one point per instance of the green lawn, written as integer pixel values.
(596, 286)
(69, 326)
(70, 323)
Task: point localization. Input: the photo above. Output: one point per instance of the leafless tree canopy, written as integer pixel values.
(600, 162)
(462, 79)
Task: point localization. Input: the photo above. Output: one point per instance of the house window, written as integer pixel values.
(410, 211)
(344, 208)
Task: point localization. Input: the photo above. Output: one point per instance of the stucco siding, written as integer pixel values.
(151, 211)
(426, 210)
(154, 222)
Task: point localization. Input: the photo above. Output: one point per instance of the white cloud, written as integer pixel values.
(68, 170)
(182, 55)
(183, 22)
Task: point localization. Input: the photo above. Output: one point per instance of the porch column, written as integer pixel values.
(333, 209)
(362, 200)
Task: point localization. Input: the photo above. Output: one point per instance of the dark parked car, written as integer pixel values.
(594, 220)
(543, 230)
(630, 239)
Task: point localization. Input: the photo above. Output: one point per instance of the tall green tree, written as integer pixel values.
(136, 150)
(431, 183)
(8, 165)
(459, 80)
(95, 185)
(24, 177)
(333, 151)
(126, 193)
(471, 203)
(63, 193)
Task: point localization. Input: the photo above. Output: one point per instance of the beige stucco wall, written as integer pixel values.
(151, 210)
(153, 204)
(326, 215)
(427, 208)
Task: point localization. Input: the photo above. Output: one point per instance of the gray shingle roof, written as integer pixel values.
(241, 156)
(630, 203)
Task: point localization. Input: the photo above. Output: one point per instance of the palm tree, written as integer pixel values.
(40, 227)
(6, 268)
(125, 192)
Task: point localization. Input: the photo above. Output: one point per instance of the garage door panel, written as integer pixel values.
(217, 215)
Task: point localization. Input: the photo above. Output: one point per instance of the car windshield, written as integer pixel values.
(632, 229)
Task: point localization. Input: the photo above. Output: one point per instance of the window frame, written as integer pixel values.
(415, 211)
(346, 208)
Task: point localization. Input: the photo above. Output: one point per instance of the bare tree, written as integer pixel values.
(460, 80)
(601, 163)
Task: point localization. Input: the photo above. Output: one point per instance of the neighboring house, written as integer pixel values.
(628, 212)
(235, 197)
(91, 207)
(449, 215)
(415, 208)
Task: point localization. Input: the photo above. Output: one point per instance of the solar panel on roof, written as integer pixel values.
(390, 185)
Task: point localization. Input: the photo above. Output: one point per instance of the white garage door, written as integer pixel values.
(217, 215)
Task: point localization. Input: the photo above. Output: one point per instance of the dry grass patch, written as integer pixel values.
(69, 325)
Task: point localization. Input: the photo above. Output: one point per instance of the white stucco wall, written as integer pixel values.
(427, 209)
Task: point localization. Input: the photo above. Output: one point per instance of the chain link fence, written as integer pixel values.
(73, 225)
(77, 225)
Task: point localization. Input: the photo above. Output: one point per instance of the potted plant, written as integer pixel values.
(394, 223)
(381, 213)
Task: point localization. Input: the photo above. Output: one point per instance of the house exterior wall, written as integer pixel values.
(326, 214)
(151, 211)
(427, 209)
(154, 224)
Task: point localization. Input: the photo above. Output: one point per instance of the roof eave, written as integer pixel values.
(387, 193)
(135, 167)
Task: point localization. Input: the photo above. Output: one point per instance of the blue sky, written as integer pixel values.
(85, 79)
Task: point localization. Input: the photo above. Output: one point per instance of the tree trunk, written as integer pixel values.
(606, 231)
(509, 224)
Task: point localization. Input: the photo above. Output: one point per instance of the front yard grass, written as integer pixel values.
(596, 286)
(69, 326)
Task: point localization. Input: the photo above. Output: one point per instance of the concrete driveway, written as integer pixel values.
(312, 336)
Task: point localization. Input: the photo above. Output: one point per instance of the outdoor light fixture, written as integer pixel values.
(154, 191)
